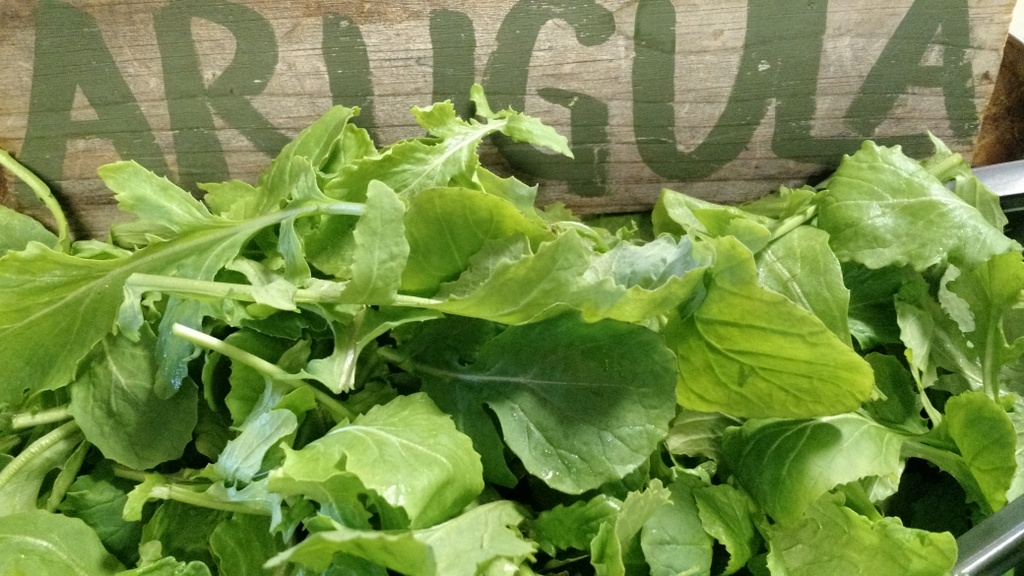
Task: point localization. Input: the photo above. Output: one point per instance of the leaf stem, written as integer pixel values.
(191, 288)
(990, 364)
(67, 476)
(65, 434)
(273, 371)
(31, 419)
(43, 193)
(794, 222)
(186, 496)
(941, 169)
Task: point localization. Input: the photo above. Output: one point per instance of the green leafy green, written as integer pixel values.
(786, 465)
(530, 375)
(116, 405)
(388, 359)
(39, 542)
(673, 539)
(751, 352)
(377, 447)
(882, 208)
(833, 539)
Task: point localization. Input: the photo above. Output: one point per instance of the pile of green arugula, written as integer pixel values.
(388, 360)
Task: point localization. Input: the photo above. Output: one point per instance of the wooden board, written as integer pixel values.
(726, 100)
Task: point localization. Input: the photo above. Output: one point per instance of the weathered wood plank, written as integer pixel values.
(726, 100)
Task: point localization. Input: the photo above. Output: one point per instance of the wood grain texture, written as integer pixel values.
(725, 100)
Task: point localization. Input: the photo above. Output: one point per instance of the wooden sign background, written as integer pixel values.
(725, 99)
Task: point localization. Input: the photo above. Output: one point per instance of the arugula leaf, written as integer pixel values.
(115, 403)
(18, 230)
(412, 166)
(41, 543)
(673, 538)
(566, 274)
(22, 479)
(98, 499)
(574, 526)
(751, 352)
(243, 456)
(617, 549)
(184, 531)
(986, 439)
(162, 210)
(466, 219)
(381, 249)
(725, 514)
(698, 433)
(882, 208)
(990, 292)
(786, 465)
(379, 446)
(800, 266)
(832, 539)
(575, 405)
(242, 544)
(483, 539)
(682, 215)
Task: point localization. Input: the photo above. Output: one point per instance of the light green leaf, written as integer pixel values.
(832, 539)
(168, 566)
(801, 266)
(352, 335)
(991, 292)
(115, 402)
(567, 274)
(485, 536)
(399, 551)
(786, 465)
(581, 404)
(49, 300)
(725, 514)
(495, 285)
(379, 447)
(314, 144)
(381, 249)
(243, 456)
(463, 220)
(269, 287)
(987, 441)
(698, 433)
(161, 208)
(17, 230)
(520, 127)
(750, 352)
(682, 215)
(39, 543)
(463, 546)
(882, 208)
(230, 199)
(1017, 418)
(511, 189)
(933, 339)
(574, 526)
(673, 539)
(616, 550)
